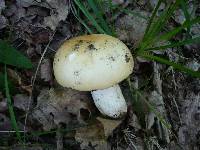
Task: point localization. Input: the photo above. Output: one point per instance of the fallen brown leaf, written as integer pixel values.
(60, 105)
(92, 137)
(46, 70)
(131, 28)
(62, 9)
(109, 125)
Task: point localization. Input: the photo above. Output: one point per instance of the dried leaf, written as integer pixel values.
(109, 125)
(37, 10)
(131, 28)
(95, 135)
(3, 105)
(5, 123)
(92, 137)
(190, 114)
(19, 13)
(42, 36)
(2, 5)
(10, 10)
(46, 70)
(62, 9)
(157, 100)
(56, 106)
(27, 3)
(21, 101)
(134, 122)
(3, 22)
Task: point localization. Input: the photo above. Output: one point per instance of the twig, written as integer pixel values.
(33, 81)
(12, 131)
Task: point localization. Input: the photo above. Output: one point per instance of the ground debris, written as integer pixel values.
(21, 101)
(3, 105)
(5, 124)
(130, 28)
(2, 5)
(62, 9)
(57, 106)
(188, 133)
(95, 137)
(3, 22)
(46, 70)
(27, 147)
(108, 125)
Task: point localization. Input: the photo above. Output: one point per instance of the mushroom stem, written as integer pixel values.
(110, 101)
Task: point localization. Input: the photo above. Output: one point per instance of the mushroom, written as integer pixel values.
(95, 63)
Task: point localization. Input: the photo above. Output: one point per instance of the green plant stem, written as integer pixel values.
(10, 107)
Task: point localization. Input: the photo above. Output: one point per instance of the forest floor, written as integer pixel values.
(163, 103)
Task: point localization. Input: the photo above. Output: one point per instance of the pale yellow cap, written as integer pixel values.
(92, 62)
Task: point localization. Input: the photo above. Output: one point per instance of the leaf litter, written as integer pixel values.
(32, 23)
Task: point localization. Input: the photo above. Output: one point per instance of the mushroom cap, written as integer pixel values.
(92, 62)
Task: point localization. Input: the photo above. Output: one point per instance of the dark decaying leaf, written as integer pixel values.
(9, 55)
(95, 134)
(131, 28)
(21, 101)
(5, 123)
(2, 5)
(62, 9)
(46, 70)
(109, 125)
(190, 114)
(3, 22)
(92, 137)
(62, 105)
(3, 105)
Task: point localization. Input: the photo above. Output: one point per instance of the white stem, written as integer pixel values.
(110, 101)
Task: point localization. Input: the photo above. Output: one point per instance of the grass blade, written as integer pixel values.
(10, 107)
(187, 15)
(149, 38)
(75, 13)
(138, 105)
(174, 65)
(99, 15)
(173, 32)
(184, 42)
(152, 18)
(131, 12)
(152, 109)
(10, 85)
(89, 16)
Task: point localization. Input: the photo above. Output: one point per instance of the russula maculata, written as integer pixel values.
(95, 63)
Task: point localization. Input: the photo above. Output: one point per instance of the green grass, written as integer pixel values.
(90, 17)
(152, 33)
(187, 15)
(152, 37)
(10, 56)
(10, 107)
(10, 84)
(176, 66)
